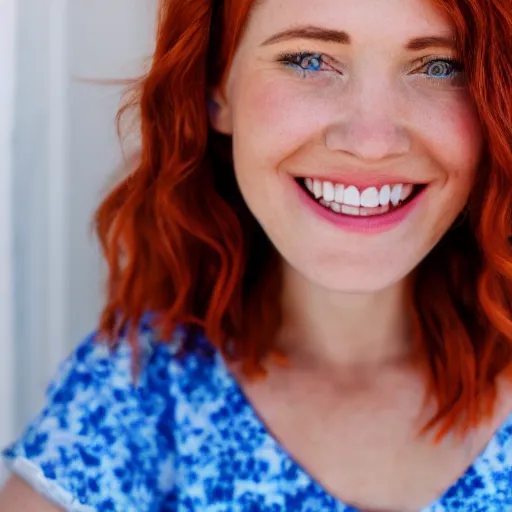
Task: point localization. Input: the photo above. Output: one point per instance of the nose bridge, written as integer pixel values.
(370, 123)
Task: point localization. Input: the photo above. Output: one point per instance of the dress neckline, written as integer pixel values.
(493, 454)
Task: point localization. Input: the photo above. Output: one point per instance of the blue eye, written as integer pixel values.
(439, 68)
(313, 63)
(305, 63)
(442, 69)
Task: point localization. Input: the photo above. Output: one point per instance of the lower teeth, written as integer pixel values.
(358, 211)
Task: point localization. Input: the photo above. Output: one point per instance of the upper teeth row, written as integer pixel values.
(370, 197)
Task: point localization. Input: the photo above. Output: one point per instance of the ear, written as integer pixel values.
(219, 112)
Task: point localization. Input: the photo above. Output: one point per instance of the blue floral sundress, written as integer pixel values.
(184, 438)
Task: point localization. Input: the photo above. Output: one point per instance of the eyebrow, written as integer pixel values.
(341, 37)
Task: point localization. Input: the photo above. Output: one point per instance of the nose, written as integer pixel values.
(369, 126)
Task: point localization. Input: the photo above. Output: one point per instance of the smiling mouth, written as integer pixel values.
(355, 202)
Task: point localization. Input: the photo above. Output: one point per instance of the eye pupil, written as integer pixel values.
(314, 63)
(440, 68)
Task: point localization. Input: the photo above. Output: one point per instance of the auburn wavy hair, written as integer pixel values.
(180, 242)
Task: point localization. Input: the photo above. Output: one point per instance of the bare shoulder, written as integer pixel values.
(18, 495)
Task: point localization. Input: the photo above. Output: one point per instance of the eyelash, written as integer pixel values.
(294, 61)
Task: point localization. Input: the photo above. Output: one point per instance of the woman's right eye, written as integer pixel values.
(306, 63)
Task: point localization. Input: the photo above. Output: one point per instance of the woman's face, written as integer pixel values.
(355, 139)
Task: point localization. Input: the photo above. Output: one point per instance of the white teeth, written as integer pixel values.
(370, 197)
(339, 191)
(328, 190)
(349, 200)
(349, 210)
(351, 197)
(317, 188)
(385, 195)
(396, 194)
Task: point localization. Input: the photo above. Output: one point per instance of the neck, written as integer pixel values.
(360, 330)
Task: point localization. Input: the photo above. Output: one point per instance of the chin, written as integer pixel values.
(355, 279)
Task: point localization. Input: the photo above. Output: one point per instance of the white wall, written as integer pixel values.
(7, 51)
(64, 149)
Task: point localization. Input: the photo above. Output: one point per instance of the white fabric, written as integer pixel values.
(46, 488)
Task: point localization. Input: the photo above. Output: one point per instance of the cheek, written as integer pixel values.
(452, 133)
(273, 118)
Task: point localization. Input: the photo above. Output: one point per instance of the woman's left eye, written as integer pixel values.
(442, 69)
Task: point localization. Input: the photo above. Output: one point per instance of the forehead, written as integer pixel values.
(364, 20)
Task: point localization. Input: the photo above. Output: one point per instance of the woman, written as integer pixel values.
(310, 289)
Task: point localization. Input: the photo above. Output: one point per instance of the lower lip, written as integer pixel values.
(370, 224)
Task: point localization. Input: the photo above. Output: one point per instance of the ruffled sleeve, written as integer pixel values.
(103, 442)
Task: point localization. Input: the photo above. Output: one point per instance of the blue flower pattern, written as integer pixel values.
(184, 438)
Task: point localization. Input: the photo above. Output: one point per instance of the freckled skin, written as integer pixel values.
(379, 115)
